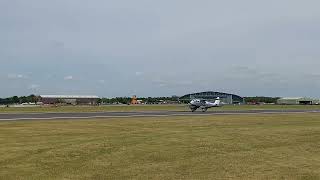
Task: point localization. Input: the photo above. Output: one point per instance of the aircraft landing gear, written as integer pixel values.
(193, 108)
(204, 109)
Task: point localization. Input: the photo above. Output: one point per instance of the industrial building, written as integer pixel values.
(225, 98)
(69, 99)
(297, 101)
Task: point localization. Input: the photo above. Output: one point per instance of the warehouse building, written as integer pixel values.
(297, 101)
(69, 99)
(226, 98)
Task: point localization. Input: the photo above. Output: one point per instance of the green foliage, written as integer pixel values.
(147, 100)
(126, 100)
(261, 99)
(99, 101)
(117, 100)
(17, 100)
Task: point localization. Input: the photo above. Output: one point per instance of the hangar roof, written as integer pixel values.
(294, 98)
(291, 97)
(210, 95)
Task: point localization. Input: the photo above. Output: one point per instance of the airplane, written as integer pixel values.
(203, 104)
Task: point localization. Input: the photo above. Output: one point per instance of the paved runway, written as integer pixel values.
(48, 116)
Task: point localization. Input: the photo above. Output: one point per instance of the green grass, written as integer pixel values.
(211, 147)
(145, 108)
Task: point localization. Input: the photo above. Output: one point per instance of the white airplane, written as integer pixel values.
(203, 104)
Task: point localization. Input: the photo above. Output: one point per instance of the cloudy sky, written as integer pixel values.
(160, 48)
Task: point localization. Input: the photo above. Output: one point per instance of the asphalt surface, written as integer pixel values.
(48, 116)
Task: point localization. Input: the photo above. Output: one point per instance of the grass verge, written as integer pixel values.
(213, 147)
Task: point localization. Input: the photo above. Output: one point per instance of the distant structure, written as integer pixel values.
(69, 99)
(225, 98)
(134, 100)
(297, 101)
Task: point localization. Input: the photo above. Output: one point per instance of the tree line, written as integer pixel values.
(19, 99)
(147, 100)
(261, 99)
(126, 100)
(117, 100)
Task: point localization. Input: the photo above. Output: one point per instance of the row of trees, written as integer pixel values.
(121, 100)
(126, 100)
(153, 100)
(19, 100)
(148, 100)
(261, 99)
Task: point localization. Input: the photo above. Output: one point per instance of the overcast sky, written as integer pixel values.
(160, 48)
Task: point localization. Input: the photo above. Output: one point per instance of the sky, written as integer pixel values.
(160, 48)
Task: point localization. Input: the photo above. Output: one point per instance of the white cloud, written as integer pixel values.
(162, 85)
(101, 81)
(172, 82)
(68, 77)
(34, 86)
(139, 73)
(185, 83)
(16, 76)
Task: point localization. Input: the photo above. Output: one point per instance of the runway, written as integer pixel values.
(88, 115)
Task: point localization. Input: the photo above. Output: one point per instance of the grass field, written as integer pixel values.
(211, 147)
(145, 108)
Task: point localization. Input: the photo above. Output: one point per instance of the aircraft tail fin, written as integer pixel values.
(217, 102)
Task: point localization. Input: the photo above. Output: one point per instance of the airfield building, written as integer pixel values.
(297, 101)
(69, 99)
(225, 98)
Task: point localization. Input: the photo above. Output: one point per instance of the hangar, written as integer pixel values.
(297, 101)
(69, 99)
(226, 98)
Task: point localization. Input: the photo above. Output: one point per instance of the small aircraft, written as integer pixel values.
(203, 104)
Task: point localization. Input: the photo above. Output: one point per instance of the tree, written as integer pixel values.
(99, 101)
(15, 99)
(261, 99)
